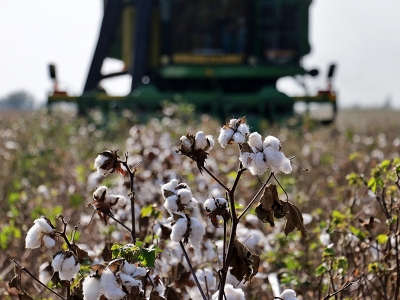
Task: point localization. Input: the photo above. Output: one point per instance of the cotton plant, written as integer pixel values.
(257, 155)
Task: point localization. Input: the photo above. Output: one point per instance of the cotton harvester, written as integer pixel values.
(223, 56)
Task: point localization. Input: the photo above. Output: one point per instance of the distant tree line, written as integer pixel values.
(18, 100)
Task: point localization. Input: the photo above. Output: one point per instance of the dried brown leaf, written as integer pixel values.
(244, 262)
(154, 295)
(294, 219)
(269, 202)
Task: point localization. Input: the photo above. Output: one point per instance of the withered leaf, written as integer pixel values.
(269, 197)
(219, 211)
(245, 147)
(79, 253)
(116, 264)
(98, 268)
(294, 219)
(269, 202)
(244, 262)
(265, 216)
(14, 283)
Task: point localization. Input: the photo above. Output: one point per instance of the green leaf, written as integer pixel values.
(328, 252)
(385, 164)
(372, 184)
(357, 232)
(320, 270)
(382, 238)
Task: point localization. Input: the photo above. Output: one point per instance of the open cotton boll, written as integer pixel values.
(45, 272)
(179, 229)
(186, 144)
(210, 141)
(277, 161)
(91, 288)
(210, 205)
(258, 166)
(57, 262)
(170, 186)
(238, 138)
(34, 237)
(100, 191)
(243, 129)
(255, 141)
(231, 293)
(288, 294)
(121, 200)
(271, 141)
(109, 286)
(184, 195)
(200, 141)
(233, 123)
(98, 162)
(225, 136)
(70, 267)
(246, 158)
(171, 205)
(128, 281)
(48, 241)
(46, 228)
(197, 232)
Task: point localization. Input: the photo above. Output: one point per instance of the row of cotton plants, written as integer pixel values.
(199, 248)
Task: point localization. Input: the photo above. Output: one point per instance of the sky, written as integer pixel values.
(361, 36)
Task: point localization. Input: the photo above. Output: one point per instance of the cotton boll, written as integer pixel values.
(255, 141)
(289, 294)
(129, 281)
(34, 237)
(273, 142)
(258, 165)
(57, 262)
(184, 195)
(186, 144)
(231, 293)
(99, 192)
(48, 241)
(210, 205)
(69, 268)
(109, 286)
(45, 272)
(233, 123)
(325, 238)
(238, 138)
(98, 162)
(277, 161)
(225, 136)
(46, 228)
(221, 201)
(179, 229)
(171, 204)
(121, 200)
(91, 288)
(243, 129)
(211, 142)
(200, 141)
(170, 186)
(246, 158)
(197, 232)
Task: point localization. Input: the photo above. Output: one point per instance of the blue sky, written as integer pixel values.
(361, 36)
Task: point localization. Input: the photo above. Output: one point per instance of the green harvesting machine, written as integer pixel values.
(223, 56)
